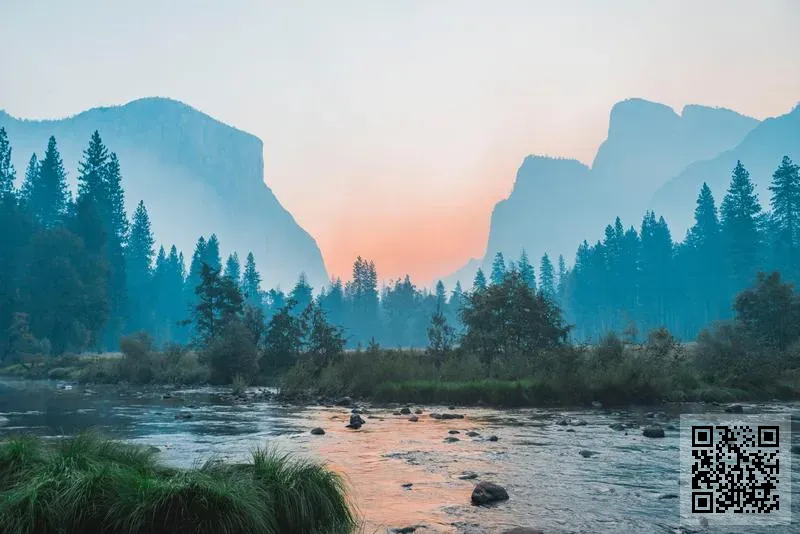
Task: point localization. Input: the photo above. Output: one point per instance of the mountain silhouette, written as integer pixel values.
(196, 175)
(556, 203)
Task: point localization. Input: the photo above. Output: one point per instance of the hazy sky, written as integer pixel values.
(392, 127)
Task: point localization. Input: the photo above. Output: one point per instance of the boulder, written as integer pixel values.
(488, 493)
(435, 416)
(472, 434)
(653, 432)
(418, 411)
(452, 416)
(405, 411)
(493, 438)
(413, 418)
(451, 407)
(356, 419)
(734, 408)
(317, 431)
(451, 439)
(344, 401)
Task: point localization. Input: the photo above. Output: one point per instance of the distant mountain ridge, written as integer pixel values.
(556, 203)
(196, 175)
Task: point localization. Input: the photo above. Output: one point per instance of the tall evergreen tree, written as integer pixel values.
(31, 179)
(498, 269)
(7, 173)
(47, 196)
(251, 282)
(196, 267)
(301, 294)
(441, 296)
(140, 255)
(526, 271)
(479, 283)
(785, 203)
(740, 230)
(233, 269)
(547, 276)
(212, 256)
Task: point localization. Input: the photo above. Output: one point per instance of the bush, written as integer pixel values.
(232, 353)
(87, 484)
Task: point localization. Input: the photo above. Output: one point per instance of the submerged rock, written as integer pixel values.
(619, 427)
(405, 411)
(418, 411)
(493, 438)
(453, 432)
(487, 493)
(183, 415)
(472, 434)
(451, 439)
(587, 453)
(317, 431)
(653, 432)
(734, 408)
(452, 416)
(408, 485)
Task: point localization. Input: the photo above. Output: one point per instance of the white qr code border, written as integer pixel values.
(694, 447)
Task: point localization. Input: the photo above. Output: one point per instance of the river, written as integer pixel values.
(580, 477)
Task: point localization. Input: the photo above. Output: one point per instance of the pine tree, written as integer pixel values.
(479, 283)
(302, 294)
(562, 276)
(212, 256)
(547, 277)
(30, 180)
(46, 194)
(140, 253)
(526, 270)
(7, 173)
(441, 296)
(92, 171)
(498, 269)
(741, 237)
(251, 282)
(785, 203)
(233, 269)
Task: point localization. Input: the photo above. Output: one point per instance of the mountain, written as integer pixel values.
(195, 174)
(760, 152)
(557, 203)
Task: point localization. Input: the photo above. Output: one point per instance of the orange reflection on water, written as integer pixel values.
(389, 451)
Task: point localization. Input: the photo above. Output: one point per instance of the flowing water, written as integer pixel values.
(624, 483)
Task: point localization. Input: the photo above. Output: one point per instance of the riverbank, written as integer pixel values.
(90, 484)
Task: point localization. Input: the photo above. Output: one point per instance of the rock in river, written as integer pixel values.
(355, 422)
(453, 432)
(588, 454)
(493, 438)
(413, 418)
(468, 475)
(405, 411)
(653, 432)
(487, 493)
(317, 431)
(451, 439)
(183, 415)
(734, 408)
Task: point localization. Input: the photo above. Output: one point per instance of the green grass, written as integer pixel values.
(89, 484)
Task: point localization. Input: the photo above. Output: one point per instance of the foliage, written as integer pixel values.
(88, 484)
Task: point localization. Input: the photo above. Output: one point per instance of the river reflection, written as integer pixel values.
(579, 477)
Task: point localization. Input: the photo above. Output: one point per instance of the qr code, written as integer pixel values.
(734, 467)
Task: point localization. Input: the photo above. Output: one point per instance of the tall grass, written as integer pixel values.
(89, 484)
(612, 372)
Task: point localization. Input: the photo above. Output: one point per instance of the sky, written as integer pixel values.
(391, 128)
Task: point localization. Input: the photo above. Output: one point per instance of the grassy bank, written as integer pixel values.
(716, 369)
(88, 484)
